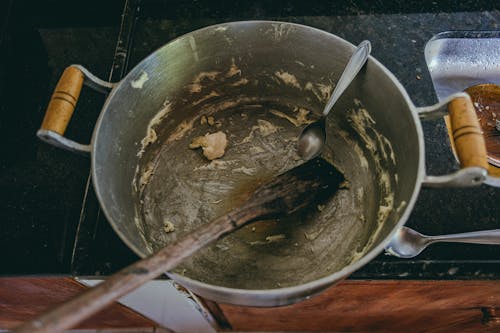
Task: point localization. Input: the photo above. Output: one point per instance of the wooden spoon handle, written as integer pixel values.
(296, 189)
(92, 300)
(467, 134)
(63, 101)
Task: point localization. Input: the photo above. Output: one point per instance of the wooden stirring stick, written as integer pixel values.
(306, 185)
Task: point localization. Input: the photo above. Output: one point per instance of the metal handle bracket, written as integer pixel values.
(466, 177)
(57, 116)
(467, 142)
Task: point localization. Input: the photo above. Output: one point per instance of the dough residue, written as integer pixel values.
(300, 120)
(213, 93)
(275, 238)
(379, 147)
(288, 79)
(233, 70)
(320, 90)
(215, 165)
(146, 176)
(240, 82)
(139, 83)
(264, 127)
(168, 226)
(246, 171)
(181, 130)
(195, 86)
(151, 135)
(213, 145)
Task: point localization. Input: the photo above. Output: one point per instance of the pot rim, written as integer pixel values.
(277, 296)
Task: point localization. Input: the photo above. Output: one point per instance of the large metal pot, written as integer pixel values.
(258, 80)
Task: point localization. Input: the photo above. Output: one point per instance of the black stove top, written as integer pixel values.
(51, 221)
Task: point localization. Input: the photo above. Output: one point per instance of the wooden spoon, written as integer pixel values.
(304, 186)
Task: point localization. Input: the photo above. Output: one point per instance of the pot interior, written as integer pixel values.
(260, 83)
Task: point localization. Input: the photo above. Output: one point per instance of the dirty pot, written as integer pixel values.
(260, 83)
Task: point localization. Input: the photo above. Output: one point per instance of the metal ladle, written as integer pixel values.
(408, 243)
(313, 136)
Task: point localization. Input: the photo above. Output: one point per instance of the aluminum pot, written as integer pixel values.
(259, 82)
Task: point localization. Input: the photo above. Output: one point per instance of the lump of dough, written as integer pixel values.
(213, 145)
(168, 226)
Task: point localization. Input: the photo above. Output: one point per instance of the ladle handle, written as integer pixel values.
(70, 313)
(352, 69)
(298, 188)
(468, 138)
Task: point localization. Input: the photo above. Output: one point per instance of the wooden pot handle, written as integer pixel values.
(468, 138)
(63, 101)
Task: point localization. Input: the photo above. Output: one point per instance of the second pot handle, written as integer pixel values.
(468, 137)
(63, 103)
(468, 142)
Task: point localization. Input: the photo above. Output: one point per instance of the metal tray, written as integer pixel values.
(459, 59)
